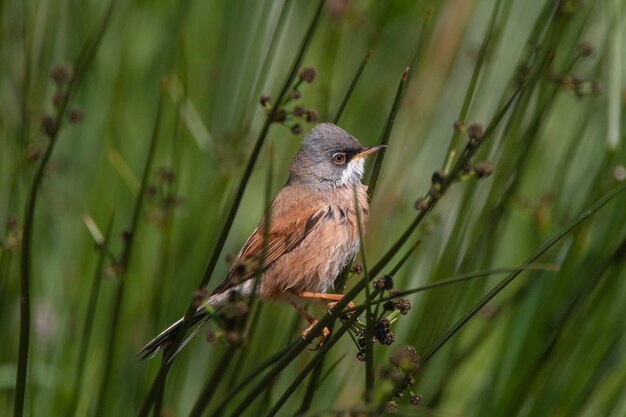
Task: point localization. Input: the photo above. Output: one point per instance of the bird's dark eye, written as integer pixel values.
(339, 158)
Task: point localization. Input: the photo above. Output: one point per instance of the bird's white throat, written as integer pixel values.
(353, 172)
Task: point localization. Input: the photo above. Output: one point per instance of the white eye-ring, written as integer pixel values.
(339, 158)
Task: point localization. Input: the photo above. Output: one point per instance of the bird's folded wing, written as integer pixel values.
(288, 228)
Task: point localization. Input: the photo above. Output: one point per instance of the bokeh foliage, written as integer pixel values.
(552, 343)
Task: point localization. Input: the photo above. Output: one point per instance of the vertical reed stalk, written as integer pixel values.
(234, 207)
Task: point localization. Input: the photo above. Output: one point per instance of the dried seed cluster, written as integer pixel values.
(404, 363)
(293, 117)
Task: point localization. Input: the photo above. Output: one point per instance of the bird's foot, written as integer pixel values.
(323, 336)
(350, 306)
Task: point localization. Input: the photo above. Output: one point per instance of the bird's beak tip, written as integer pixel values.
(368, 150)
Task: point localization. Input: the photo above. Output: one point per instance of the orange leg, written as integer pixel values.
(324, 296)
(312, 322)
(320, 295)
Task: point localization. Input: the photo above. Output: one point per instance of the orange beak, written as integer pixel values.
(368, 150)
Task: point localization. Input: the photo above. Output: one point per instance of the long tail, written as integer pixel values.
(166, 337)
(217, 300)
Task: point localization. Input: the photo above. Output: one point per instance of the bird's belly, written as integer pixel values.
(314, 265)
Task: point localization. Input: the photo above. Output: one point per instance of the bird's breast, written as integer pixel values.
(317, 261)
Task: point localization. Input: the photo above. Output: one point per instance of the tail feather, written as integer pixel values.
(166, 337)
(217, 300)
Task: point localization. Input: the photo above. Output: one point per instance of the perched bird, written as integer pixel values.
(313, 231)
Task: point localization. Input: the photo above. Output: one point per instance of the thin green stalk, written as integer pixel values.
(340, 282)
(313, 384)
(331, 368)
(29, 215)
(215, 381)
(456, 279)
(25, 78)
(301, 344)
(249, 377)
(369, 322)
(469, 95)
(89, 316)
(543, 249)
(319, 358)
(266, 232)
(296, 348)
(125, 258)
(165, 248)
(384, 137)
(244, 353)
(506, 281)
(302, 375)
(271, 51)
(164, 369)
(421, 43)
(491, 294)
(158, 403)
(348, 94)
(25, 265)
(315, 363)
(209, 389)
(386, 258)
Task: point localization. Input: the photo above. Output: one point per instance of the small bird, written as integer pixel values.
(313, 232)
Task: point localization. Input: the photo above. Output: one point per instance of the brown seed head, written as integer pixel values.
(296, 129)
(264, 100)
(458, 126)
(484, 169)
(312, 115)
(391, 407)
(404, 305)
(59, 98)
(307, 74)
(298, 110)
(420, 203)
(61, 73)
(48, 125)
(211, 337)
(405, 358)
(75, 115)
(475, 131)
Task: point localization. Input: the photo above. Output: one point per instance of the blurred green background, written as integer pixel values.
(552, 344)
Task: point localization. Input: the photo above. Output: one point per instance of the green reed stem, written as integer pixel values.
(164, 369)
(421, 42)
(355, 79)
(456, 279)
(82, 62)
(249, 377)
(543, 249)
(215, 381)
(369, 322)
(271, 52)
(340, 282)
(89, 316)
(301, 344)
(384, 137)
(210, 387)
(307, 369)
(469, 95)
(506, 281)
(125, 257)
(317, 361)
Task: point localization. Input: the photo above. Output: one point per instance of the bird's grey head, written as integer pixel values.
(329, 157)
